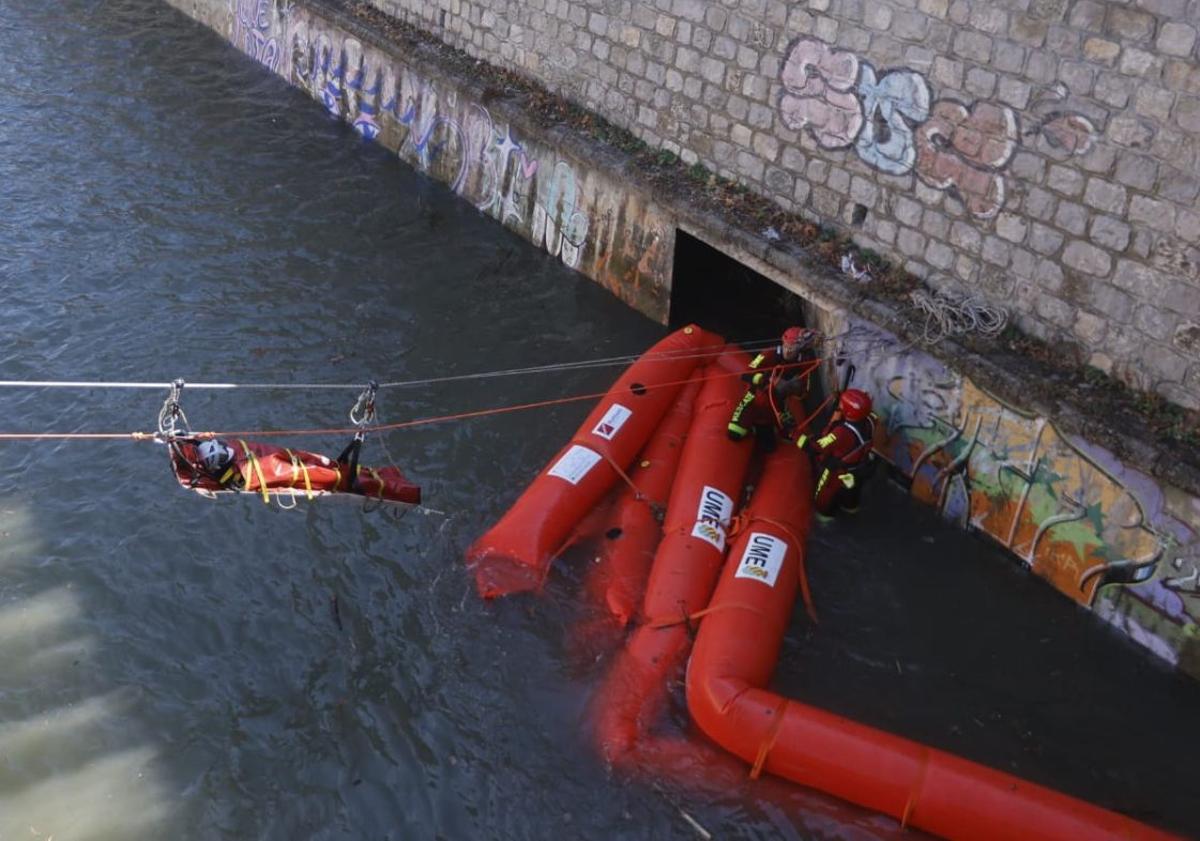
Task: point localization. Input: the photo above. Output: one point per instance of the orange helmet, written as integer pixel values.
(854, 404)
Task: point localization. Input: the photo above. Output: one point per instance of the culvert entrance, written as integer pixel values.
(714, 290)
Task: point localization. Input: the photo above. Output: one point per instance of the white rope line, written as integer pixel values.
(510, 372)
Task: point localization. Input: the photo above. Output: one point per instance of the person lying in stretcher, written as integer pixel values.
(213, 465)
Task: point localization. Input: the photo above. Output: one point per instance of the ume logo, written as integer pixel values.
(762, 559)
(712, 515)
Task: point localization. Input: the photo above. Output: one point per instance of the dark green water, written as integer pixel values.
(174, 668)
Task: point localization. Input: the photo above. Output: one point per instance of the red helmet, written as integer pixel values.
(854, 404)
(798, 336)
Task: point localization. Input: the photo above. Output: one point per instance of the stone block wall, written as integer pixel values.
(1042, 154)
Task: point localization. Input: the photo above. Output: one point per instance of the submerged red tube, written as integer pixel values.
(733, 659)
(515, 554)
(706, 490)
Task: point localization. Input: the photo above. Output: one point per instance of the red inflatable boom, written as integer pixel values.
(734, 657)
(515, 554)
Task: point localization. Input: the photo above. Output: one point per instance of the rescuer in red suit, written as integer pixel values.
(775, 376)
(843, 454)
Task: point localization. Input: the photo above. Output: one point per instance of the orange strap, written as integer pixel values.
(655, 507)
(686, 618)
(769, 741)
(741, 523)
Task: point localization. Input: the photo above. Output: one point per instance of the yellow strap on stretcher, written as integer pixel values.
(262, 481)
(374, 475)
(299, 467)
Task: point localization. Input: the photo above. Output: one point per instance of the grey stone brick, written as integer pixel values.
(1129, 25)
(839, 179)
(1078, 76)
(1041, 68)
(947, 72)
(1101, 51)
(1140, 280)
(1023, 263)
(761, 117)
(907, 211)
(1111, 301)
(939, 255)
(1154, 102)
(1112, 89)
(1187, 114)
(980, 82)
(748, 57)
(987, 17)
(1014, 92)
(1130, 131)
(911, 243)
(779, 182)
(1154, 322)
(1165, 363)
(1089, 328)
(1135, 62)
(1137, 171)
(1087, 14)
(1110, 233)
(1187, 226)
(1180, 297)
(1087, 258)
(863, 191)
(818, 171)
(737, 107)
(724, 47)
(878, 16)
(1177, 39)
(1057, 312)
(974, 46)
(1071, 217)
(1145, 210)
(996, 251)
(934, 8)
(716, 18)
(713, 70)
(1050, 276)
(1106, 196)
(1011, 227)
(936, 224)
(1039, 204)
(692, 10)
(1028, 166)
(910, 26)
(1044, 240)
(1066, 180)
(885, 231)
(750, 165)
(766, 146)
(966, 237)
(1179, 186)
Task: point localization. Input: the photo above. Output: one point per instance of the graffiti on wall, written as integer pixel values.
(252, 31)
(542, 196)
(1095, 529)
(892, 121)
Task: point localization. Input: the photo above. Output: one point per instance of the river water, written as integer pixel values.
(173, 667)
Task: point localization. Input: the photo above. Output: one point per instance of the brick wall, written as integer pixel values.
(1044, 154)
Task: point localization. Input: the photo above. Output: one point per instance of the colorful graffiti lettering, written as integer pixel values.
(964, 149)
(894, 126)
(1096, 529)
(818, 93)
(558, 222)
(893, 104)
(252, 31)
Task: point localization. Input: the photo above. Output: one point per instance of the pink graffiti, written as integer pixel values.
(965, 149)
(1069, 133)
(819, 93)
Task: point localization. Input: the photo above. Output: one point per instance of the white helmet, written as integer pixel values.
(214, 455)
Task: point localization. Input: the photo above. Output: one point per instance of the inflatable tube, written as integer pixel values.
(733, 659)
(631, 532)
(269, 470)
(514, 555)
(707, 487)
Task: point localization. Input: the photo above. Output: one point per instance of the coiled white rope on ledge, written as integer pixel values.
(947, 315)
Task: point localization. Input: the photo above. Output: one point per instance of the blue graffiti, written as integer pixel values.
(894, 104)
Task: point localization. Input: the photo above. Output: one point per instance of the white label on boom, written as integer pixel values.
(574, 464)
(762, 559)
(611, 423)
(712, 516)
